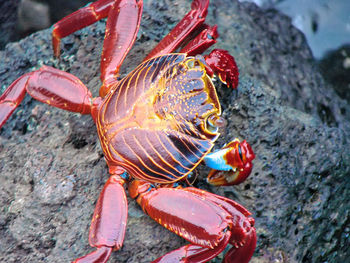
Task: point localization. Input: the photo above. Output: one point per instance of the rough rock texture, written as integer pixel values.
(52, 167)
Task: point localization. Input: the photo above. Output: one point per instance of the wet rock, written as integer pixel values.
(52, 167)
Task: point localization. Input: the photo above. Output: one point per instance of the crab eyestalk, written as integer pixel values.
(230, 165)
(215, 122)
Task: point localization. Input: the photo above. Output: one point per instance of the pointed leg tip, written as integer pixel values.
(244, 253)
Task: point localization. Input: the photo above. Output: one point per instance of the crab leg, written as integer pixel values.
(78, 20)
(124, 17)
(193, 253)
(206, 220)
(108, 223)
(193, 20)
(121, 30)
(51, 86)
(12, 97)
(206, 38)
(219, 61)
(243, 237)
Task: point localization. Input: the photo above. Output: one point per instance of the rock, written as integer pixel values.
(33, 16)
(335, 67)
(61, 8)
(8, 21)
(23, 17)
(52, 167)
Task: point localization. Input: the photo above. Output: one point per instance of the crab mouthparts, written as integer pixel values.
(219, 178)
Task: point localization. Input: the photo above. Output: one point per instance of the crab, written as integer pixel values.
(155, 126)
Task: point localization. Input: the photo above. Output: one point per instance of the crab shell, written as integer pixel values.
(154, 122)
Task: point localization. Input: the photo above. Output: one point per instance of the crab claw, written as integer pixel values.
(224, 66)
(231, 165)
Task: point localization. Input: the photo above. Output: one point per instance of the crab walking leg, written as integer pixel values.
(243, 233)
(206, 38)
(121, 30)
(78, 20)
(123, 23)
(51, 86)
(108, 223)
(206, 220)
(193, 253)
(12, 97)
(240, 254)
(193, 20)
(219, 61)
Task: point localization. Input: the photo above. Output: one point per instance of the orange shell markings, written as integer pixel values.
(154, 122)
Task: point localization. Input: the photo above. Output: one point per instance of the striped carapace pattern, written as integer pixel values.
(154, 122)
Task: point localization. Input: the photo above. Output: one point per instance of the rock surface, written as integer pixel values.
(52, 167)
(335, 66)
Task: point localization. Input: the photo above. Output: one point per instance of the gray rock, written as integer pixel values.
(33, 16)
(52, 167)
(335, 67)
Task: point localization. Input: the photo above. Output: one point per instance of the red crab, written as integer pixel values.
(155, 126)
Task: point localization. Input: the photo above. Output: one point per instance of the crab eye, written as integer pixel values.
(214, 122)
(193, 63)
(240, 152)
